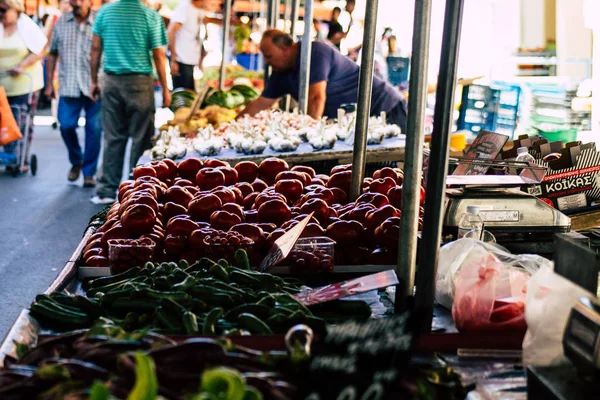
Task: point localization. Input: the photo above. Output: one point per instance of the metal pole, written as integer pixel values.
(272, 14)
(363, 106)
(295, 11)
(413, 155)
(438, 164)
(286, 17)
(226, 24)
(305, 55)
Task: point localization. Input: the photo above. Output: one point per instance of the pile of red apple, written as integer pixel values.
(189, 207)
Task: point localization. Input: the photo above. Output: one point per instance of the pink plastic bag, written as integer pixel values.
(490, 295)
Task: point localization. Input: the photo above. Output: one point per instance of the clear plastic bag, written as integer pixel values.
(490, 295)
(550, 298)
(456, 255)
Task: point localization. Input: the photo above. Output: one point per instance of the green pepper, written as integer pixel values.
(224, 383)
(146, 383)
(252, 394)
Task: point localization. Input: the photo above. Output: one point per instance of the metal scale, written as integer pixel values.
(519, 221)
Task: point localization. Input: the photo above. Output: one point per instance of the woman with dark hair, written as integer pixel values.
(336, 31)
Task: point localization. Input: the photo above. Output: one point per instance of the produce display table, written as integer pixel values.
(389, 150)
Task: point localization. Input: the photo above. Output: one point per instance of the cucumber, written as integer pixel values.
(254, 324)
(259, 310)
(210, 321)
(190, 322)
(241, 259)
(219, 272)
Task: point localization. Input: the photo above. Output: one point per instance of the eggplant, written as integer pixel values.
(266, 387)
(80, 370)
(189, 354)
(52, 346)
(15, 374)
(105, 354)
(243, 363)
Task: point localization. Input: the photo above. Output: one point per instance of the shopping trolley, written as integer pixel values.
(15, 162)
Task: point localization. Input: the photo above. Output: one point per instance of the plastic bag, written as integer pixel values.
(455, 255)
(550, 298)
(490, 295)
(9, 130)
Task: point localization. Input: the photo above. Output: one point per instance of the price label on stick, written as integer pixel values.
(348, 288)
(282, 246)
(361, 361)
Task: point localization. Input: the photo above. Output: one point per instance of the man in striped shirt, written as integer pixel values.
(71, 43)
(131, 36)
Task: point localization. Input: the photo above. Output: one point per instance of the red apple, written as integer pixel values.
(377, 216)
(386, 172)
(259, 185)
(274, 211)
(234, 209)
(341, 180)
(340, 168)
(245, 188)
(214, 163)
(209, 178)
(290, 188)
(223, 220)
(318, 206)
(173, 209)
(143, 170)
(226, 195)
(247, 171)
(395, 196)
(377, 199)
(188, 168)
(270, 167)
(302, 168)
(249, 200)
(382, 185)
(200, 208)
(231, 175)
(178, 195)
(339, 196)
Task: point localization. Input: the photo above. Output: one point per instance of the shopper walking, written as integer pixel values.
(185, 39)
(22, 46)
(130, 35)
(72, 44)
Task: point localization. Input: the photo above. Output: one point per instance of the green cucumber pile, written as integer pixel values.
(205, 298)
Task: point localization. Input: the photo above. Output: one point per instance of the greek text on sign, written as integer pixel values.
(499, 216)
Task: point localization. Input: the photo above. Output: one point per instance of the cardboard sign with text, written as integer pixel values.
(361, 360)
(486, 146)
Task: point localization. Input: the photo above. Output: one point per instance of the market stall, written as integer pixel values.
(178, 288)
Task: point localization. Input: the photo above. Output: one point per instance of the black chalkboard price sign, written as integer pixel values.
(361, 361)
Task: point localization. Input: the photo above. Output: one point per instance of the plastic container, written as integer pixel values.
(124, 254)
(312, 254)
(470, 221)
(215, 252)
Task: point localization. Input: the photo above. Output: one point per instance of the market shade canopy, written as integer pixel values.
(319, 11)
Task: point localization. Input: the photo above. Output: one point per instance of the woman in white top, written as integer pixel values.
(22, 45)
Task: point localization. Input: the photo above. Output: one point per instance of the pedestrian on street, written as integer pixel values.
(22, 46)
(72, 44)
(186, 38)
(130, 35)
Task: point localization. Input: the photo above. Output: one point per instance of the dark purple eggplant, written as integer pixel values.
(243, 363)
(15, 374)
(80, 370)
(105, 354)
(187, 354)
(52, 346)
(266, 387)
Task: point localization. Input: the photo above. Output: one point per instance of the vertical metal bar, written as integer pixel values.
(295, 10)
(413, 155)
(305, 58)
(226, 25)
(438, 164)
(286, 17)
(272, 14)
(363, 107)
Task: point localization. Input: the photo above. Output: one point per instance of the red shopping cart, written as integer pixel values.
(15, 160)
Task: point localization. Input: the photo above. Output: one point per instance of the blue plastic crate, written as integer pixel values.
(478, 109)
(249, 61)
(398, 69)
